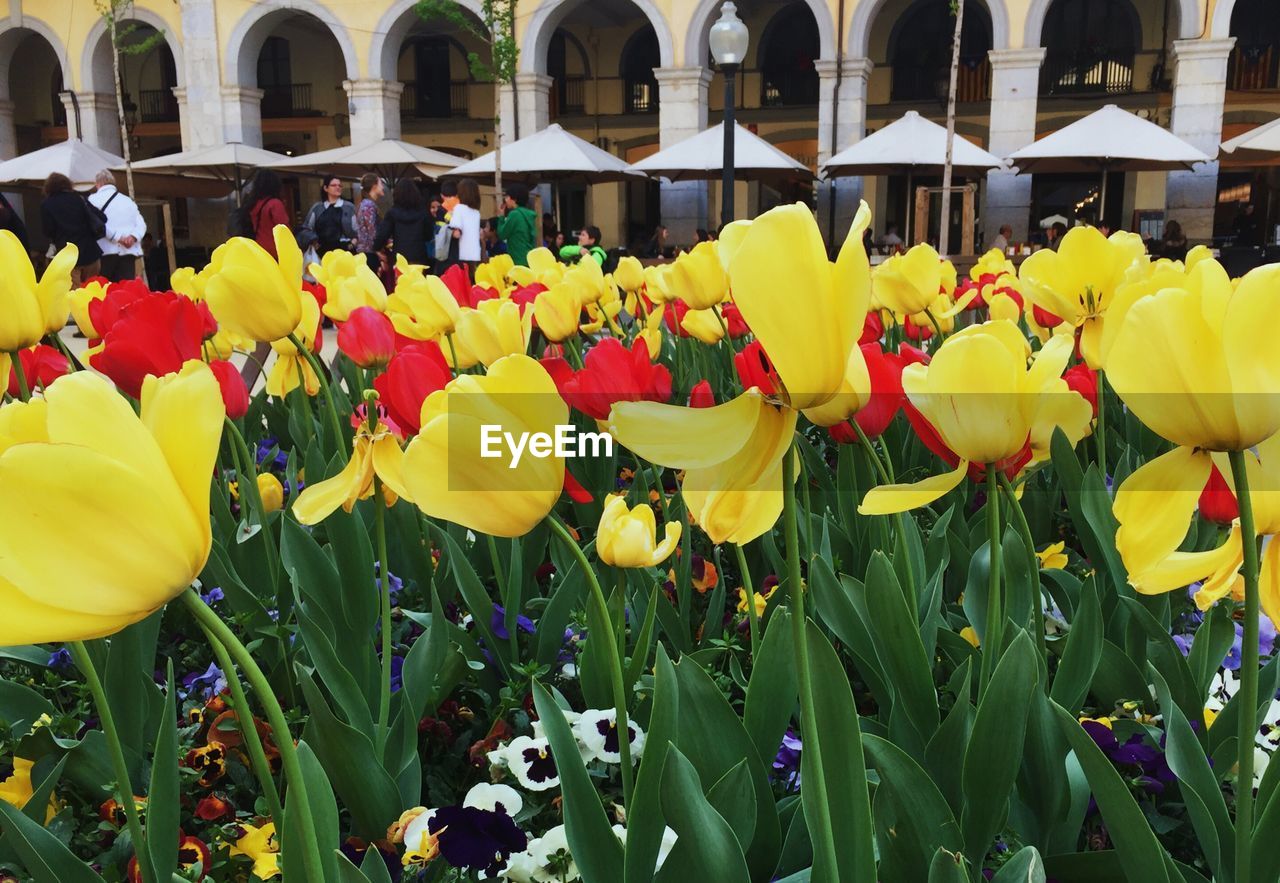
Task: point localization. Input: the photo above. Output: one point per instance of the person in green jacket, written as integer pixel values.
(519, 228)
(588, 244)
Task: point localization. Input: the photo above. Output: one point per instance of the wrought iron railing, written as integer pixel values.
(1087, 72)
(459, 104)
(158, 106)
(641, 95)
(788, 88)
(1254, 67)
(289, 100)
(927, 82)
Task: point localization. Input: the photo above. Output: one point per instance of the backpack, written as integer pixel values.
(441, 241)
(98, 216)
(240, 222)
(328, 227)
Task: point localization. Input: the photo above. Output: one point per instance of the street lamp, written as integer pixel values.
(729, 39)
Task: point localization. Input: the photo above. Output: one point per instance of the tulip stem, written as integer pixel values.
(1248, 694)
(24, 390)
(899, 518)
(124, 787)
(322, 374)
(504, 591)
(1024, 529)
(611, 648)
(453, 354)
(245, 467)
(936, 327)
(257, 756)
(310, 845)
(820, 829)
(384, 606)
(1101, 436)
(749, 592)
(993, 640)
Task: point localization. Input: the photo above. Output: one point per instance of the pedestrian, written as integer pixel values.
(1055, 233)
(549, 230)
(12, 221)
(372, 189)
(266, 209)
(1001, 241)
(519, 227)
(464, 219)
(891, 241)
(588, 245)
(657, 247)
(122, 244)
(66, 218)
(330, 223)
(1245, 229)
(406, 226)
(1173, 245)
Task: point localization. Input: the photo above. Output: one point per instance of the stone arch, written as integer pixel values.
(1188, 19)
(10, 38)
(537, 37)
(1220, 25)
(393, 28)
(864, 17)
(240, 67)
(95, 62)
(695, 41)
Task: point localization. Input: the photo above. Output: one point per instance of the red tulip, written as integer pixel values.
(41, 365)
(575, 490)
(872, 328)
(235, 395)
(674, 315)
(153, 336)
(733, 320)
(557, 366)
(755, 369)
(1085, 382)
(526, 295)
(612, 374)
(104, 313)
(316, 290)
(701, 396)
(412, 374)
(1217, 503)
(367, 338)
(885, 370)
(1044, 318)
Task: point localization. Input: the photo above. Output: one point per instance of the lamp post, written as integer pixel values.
(729, 39)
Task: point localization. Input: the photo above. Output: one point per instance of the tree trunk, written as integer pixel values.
(944, 234)
(124, 129)
(497, 141)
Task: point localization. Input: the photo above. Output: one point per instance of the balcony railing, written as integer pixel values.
(1091, 72)
(158, 106)
(569, 96)
(458, 105)
(927, 82)
(641, 96)
(1254, 67)
(788, 88)
(290, 100)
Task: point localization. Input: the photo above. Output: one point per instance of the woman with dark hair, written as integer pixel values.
(465, 221)
(1174, 243)
(371, 190)
(266, 209)
(330, 223)
(64, 214)
(406, 224)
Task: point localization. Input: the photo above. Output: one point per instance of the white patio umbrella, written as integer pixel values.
(223, 162)
(1260, 143)
(552, 155)
(390, 158)
(910, 145)
(1108, 140)
(74, 158)
(701, 158)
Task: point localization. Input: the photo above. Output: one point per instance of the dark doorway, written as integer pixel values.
(432, 77)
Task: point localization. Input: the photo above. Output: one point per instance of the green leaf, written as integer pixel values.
(840, 603)
(912, 819)
(162, 827)
(644, 641)
(901, 652)
(21, 706)
(771, 692)
(843, 766)
(1080, 658)
(37, 805)
(595, 847)
(1213, 641)
(1137, 848)
(998, 733)
(645, 822)
(944, 755)
(948, 867)
(714, 854)
(733, 797)
(324, 815)
(1168, 661)
(1026, 866)
(425, 662)
(46, 858)
(474, 594)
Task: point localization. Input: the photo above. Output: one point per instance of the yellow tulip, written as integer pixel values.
(190, 283)
(291, 368)
(986, 404)
(135, 488)
(1078, 281)
(993, 263)
(271, 491)
(658, 283)
(29, 309)
(1189, 362)
(629, 274)
(252, 294)
(493, 272)
(422, 307)
(80, 300)
(651, 334)
(348, 283)
(910, 283)
(628, 537)
(806, 312)
(453, 471)
(704, 325)
(698, 278)
(589, 279)
(730, 240)
(731, 453)
(557, 310)
(493, 330)
(374, 452)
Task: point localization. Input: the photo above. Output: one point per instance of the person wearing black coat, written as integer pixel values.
(406, 225)
(64, 214)
(12, 221)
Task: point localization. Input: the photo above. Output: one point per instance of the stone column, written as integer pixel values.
(1015, 88)
(682, 113)
(533, 103)
(8, 131)
(1199, 91)
(200, 101)
(99, 122)
(841, 110)
(374, 106)
(510, 97)
(242, 115)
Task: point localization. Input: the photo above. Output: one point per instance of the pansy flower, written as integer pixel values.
(597, 730)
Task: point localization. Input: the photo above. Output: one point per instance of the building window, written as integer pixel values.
(788, 48)
(1255, 59)
(1089, 47)
(920, 53)
(639, 57)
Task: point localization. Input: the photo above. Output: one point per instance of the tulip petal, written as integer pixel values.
(889, 499)
(1154, 506)
(30, 621)
(1269, 581)
(54, 290)
(686, 438)
(184, 412)
(1254, 367)
(388, 463)
(320, 500)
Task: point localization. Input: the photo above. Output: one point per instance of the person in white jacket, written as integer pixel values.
(122, 244)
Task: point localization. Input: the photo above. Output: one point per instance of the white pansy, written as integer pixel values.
(597, 731)
(554, 863)
(530, 761)
(669, 838)
(494, 797)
